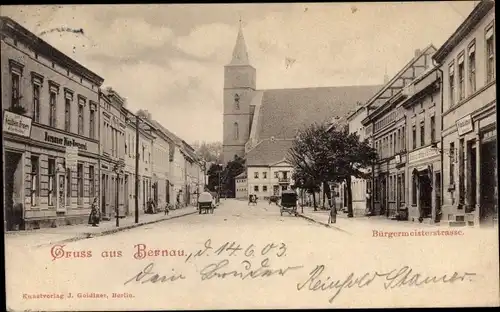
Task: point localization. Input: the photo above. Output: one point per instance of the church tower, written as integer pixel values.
(239, 89)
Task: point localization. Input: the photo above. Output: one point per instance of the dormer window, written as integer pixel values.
(237, 101)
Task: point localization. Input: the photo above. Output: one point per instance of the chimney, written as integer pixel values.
(417, 52)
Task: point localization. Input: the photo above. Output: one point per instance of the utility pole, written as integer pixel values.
(136, 169)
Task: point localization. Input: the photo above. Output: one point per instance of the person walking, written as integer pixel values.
(95, 214)
(368, 203)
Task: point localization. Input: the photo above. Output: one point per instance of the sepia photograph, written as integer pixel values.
(249, 156)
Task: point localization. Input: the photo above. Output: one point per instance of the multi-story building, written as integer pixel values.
(469, 158)
(51, 141)
(241, 186)
(423, 166)
(385, 126)
(147, 138)
(112, 130)
(161, 167)
(129, 168)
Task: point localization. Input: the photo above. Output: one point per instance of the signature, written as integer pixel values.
(393, 279)
(147, 275)
(220, 270)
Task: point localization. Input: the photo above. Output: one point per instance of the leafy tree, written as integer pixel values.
(209, 152)
(320, 156)
(214, 172)
(233, 168)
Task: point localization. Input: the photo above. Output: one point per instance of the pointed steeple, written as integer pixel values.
(240, 54)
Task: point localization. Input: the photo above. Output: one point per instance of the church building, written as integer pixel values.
(260, 125)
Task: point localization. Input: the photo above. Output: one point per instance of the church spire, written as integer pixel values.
(240, 54)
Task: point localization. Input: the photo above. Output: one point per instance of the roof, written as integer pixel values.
(465, 28)
(285, 111)
(268, 152)
(240, 53)
(242, 175)
(11, 27)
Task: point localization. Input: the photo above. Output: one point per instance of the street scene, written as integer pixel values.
(322, 149)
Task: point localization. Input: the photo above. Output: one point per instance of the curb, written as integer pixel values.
(322, 223)
(115, 230)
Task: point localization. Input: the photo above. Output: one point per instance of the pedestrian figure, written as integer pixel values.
(95, 214)
(167, 210)
(368, 202)
(332, 218)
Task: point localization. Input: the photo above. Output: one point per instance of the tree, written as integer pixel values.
(233, 168)
(348, 157)
(214, 173)
(320, 156)
(209, 152)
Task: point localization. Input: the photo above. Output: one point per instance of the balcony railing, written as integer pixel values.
(284, 180)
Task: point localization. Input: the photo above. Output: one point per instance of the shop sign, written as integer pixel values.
(16, 124)
(61, 139)
(423, 153)
(71, 157)
(464, 125)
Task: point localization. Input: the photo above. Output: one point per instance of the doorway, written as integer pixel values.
(383, 196)
(167, 190)
(488, 184)
(103, 194)
(437, 194)
(125, 195)
(13, 193)
(425, 195)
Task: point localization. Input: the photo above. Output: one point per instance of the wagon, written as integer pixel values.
(205, 203)
(289, 202)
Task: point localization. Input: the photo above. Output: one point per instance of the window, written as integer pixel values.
(67, 114)
(461, 78)
(402, 196)
(35, 172)
(276, 175)
(91, 182)
(80, 118)
(264, 175)
(472, 68)
(92, 125)
(452, 83)
(237, 101)
(397, 146)
(52, 181)
(15, 90)
(52, 109)
(68, 186)
(36, 102)
(256, 175)
(236, 131)
(79, 177)
(256, 188)
(490, 55)
(390, 145)
(264, 188)
(403, 135)
(452, 163)
(433, 129)
(422, 133)
(414, 190)
(414, 136)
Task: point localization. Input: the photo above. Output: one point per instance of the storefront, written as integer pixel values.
(470, 158)
(424, 184)
(53, 177)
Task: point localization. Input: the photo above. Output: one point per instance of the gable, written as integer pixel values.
(268, 152)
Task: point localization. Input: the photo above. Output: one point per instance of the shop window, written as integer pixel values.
(490, 54)
(461, 77)
(451, 77)
(452, 163)
(472, 68)
(91, 182)
(79, 177)
(52, 182)
(35, 180)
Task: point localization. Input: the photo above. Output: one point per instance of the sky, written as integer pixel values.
(169, 58)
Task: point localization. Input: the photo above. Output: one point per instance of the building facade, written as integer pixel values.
(241, 186)
(423, 165)
(266, 181)
(51, 141)
(112, 175)
(470, 181)
(161, 167)
(385, 127)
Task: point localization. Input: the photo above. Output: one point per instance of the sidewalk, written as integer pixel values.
(346, 224)
(69, 233)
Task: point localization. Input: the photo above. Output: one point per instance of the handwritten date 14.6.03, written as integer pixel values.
(234, 249)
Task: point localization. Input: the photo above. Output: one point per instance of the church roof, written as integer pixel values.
(268, 152)
(285, 111)
(240, 53)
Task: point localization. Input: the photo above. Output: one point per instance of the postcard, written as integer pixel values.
(250, 156)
